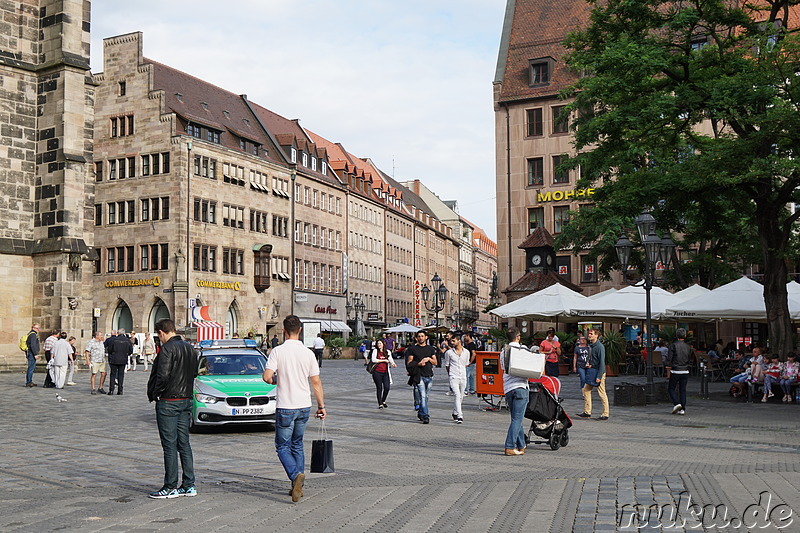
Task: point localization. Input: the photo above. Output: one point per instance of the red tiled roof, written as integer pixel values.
(538, 237)
(536, 281)
(204, 103)
(537, 31)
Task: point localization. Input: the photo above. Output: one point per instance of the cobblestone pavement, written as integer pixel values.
(87, 464)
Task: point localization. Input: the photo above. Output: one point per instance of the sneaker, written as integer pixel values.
(380, 406)
(459, 420)
(426, 420)
(111, 393)
(101, 391)
(682, 412)
(94, 392)
(187, 491)
(455, 417)
(164, 494)
(677, 408)
(449, 393)
(602, 418)
(585, 415)
(70, 383)
(297, 487)
(385, 406)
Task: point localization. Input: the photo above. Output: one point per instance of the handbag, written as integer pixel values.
(322, 453)
(371, 366)
(523, 363)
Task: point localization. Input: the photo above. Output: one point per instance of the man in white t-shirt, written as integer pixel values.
(291, 365)
(318, 345)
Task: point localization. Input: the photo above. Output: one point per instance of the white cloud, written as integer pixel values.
(405, 81)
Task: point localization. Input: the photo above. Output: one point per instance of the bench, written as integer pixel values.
(755, 388)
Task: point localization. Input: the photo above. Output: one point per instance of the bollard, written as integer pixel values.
(703, 381)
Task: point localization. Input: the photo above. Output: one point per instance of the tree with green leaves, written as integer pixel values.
(692, 109)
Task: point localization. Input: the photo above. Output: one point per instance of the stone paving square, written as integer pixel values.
(87, 465)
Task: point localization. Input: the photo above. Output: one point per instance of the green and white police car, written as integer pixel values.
(228, 388)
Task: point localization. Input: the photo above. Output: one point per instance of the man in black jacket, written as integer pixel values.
(677, 364)
(119, 349)
(170, 386)
(32, 354)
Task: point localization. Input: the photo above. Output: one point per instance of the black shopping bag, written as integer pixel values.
(322, 453)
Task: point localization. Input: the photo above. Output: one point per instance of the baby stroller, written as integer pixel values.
(548, 419)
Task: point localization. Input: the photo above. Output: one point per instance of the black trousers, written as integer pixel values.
(318, 352)
(117, 376)
(382, 385)
(48, 381)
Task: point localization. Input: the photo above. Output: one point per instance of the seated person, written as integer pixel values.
(772, 374)
(713, 356)
(739, 380)
(789, 372)
(206, 367)
(250, 367)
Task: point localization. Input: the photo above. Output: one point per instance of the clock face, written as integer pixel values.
(536, 260)
(549, 260)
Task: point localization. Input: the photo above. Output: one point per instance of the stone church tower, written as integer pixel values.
(46, 192)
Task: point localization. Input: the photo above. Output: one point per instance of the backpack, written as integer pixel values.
(23, 342)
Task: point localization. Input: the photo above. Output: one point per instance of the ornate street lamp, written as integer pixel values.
(657, 260)
(439, 299)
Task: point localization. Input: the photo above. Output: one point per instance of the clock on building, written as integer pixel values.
(536, 260)
(549, 260)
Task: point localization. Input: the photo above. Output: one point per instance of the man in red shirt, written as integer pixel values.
(551, 349)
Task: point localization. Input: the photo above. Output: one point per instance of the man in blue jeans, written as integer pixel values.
(32, 354)
(679, 358)
(516, 391)
(292, 366)
(170, 385)
(420, 359)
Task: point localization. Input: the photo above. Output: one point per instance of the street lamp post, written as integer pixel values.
(439, 299)
(657, 257)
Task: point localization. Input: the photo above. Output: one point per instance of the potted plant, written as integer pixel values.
(614, 343)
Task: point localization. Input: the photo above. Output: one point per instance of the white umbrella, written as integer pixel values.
(603, 293)
(550, 302)
(693, 292)
(403, 328)
(742, 299)
(627, 304)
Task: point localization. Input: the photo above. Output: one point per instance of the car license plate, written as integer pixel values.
(247, 411)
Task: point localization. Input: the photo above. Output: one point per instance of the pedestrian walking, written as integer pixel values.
(580, 359)
(472, 346)
(318, 345)
(420, 359)
(149, 349)
(133, 357)
(516, 392)
(72, 362)
(170, 385)
(119, 350)
(95, 353)
(294, 365)
(381, 374)
(679, 357)
(595, 376)
(48, 354)
(456, 360)
(32, 353)
(61, 355)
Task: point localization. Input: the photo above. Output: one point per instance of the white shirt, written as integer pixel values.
(318, 343)
(457, 363)
(293, 364)
(61, 351)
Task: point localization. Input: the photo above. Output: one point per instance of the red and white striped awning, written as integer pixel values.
(208, 329)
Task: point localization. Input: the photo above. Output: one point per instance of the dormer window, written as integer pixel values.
(541, 71)
(324, 168)
(293, 155)
(305, 159)
(313, 163)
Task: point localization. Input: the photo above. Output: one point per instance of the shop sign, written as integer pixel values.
(155, 281)
(559, 195)
(323, 309)
(219, 284)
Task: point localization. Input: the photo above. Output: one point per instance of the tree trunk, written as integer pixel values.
(776, 301)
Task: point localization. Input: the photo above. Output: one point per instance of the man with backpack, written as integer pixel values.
(31, 349)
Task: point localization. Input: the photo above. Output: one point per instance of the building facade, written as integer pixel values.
(532, 135)
(192, 205)
(46, 98)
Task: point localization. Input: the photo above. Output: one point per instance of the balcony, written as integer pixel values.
(468, 288)
(468, 315)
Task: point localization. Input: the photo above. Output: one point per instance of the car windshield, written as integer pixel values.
(231, 364)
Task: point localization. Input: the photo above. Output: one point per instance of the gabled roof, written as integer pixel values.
(535, 29)
(535, 281)
(538, 237)
(206, 104)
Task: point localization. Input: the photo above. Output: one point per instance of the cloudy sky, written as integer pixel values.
(407, 83)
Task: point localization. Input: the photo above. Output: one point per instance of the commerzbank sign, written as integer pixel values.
(155, 281)
(559, 195)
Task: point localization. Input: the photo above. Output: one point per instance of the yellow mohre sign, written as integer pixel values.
(557, 196)
(219, 284)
